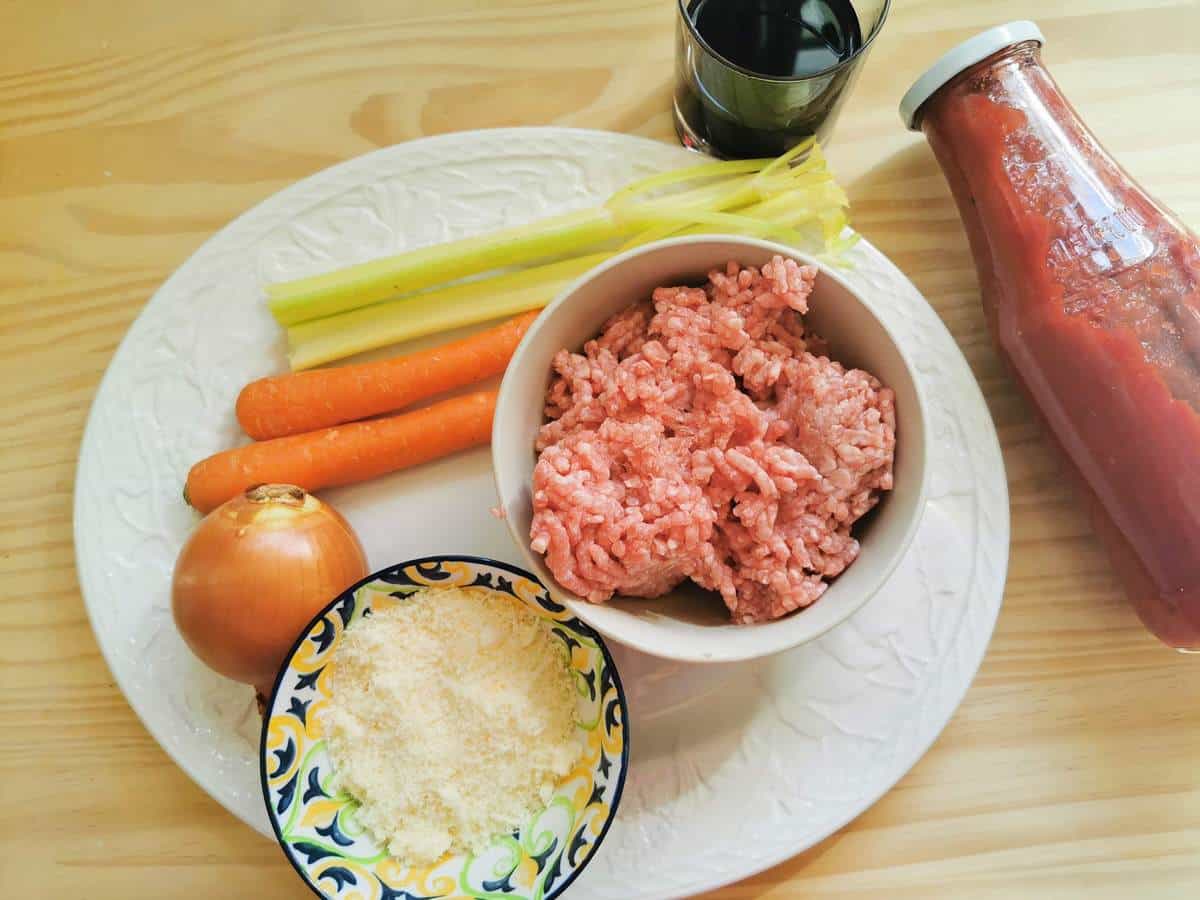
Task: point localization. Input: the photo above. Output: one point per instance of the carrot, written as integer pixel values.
(345, 454)
(305, 401)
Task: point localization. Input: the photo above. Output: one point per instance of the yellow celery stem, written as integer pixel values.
(747, 196)
(743, 197)
(336, 337)
(339, 314)
(677, 176)
(360, 285)
(673, 222)
(657, 233)
(734, 223)
(809, 144)
(370, 282)
(823, 194)
(768, 218)
(675, 218)
(751, 185)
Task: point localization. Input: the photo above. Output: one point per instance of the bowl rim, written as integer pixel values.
(667, 649)
(575, 622)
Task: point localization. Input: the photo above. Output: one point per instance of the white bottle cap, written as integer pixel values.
(964, 56)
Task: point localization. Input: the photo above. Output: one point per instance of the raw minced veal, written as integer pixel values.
(707, 434)
(451, 719)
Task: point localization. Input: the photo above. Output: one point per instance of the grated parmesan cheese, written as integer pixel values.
(451, 719)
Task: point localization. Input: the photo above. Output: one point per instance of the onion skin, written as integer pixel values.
(254, 573)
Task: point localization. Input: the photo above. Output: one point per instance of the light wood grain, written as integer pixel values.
(131, 130)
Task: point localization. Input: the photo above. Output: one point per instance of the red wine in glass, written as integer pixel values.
(755, 77)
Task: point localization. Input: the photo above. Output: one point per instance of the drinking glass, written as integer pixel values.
(729, 111)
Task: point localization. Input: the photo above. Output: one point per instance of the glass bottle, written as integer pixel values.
(1091, 291)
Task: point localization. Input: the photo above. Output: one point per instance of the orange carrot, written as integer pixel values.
(345, 454)
(305, 401)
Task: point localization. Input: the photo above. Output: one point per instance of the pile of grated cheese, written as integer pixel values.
(451, 720)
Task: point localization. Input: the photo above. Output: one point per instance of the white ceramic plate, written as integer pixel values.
(734, 767)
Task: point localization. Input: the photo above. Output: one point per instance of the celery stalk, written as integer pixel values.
(370, 282)
(335, 292)
(810, 149)
(333, 316)
(336, 337)
(678, 176)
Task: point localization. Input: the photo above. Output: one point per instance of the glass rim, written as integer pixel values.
(784, 79)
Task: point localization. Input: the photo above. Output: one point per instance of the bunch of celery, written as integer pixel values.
(338, 314)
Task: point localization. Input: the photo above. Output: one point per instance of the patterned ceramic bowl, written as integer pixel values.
(317, 827)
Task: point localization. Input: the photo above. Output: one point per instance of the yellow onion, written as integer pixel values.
(255, 572)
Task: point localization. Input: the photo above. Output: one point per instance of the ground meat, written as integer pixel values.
(702, 435)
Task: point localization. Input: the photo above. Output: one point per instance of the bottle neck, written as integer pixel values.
(1004, 122)
(1003, 71)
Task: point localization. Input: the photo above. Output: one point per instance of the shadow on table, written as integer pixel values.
(904, 207)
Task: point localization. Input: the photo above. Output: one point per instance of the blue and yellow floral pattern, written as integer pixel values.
(317, 826)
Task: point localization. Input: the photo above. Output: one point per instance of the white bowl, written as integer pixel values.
(687, 624)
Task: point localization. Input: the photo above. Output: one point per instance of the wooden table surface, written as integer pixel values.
(131, 130)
